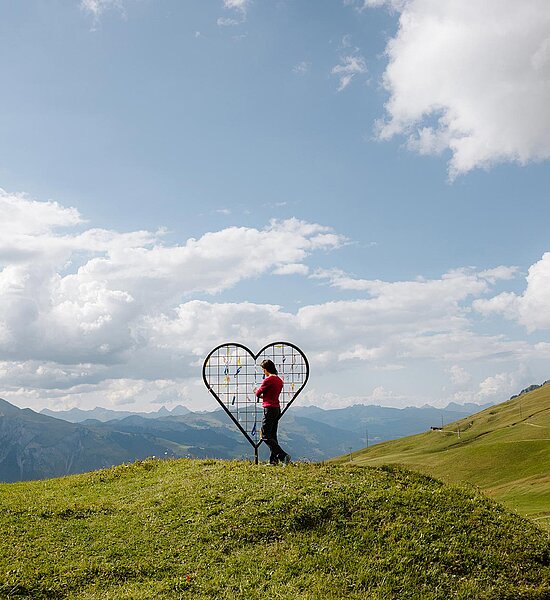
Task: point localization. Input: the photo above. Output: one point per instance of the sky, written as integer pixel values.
(367, 179)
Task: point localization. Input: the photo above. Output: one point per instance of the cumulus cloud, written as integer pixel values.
(472, 78)
(227, 22)
(81, 295)
(532, 308)
(239, 7)
(451, 288)
(88, 314)
(499, 386)
(26, 216)
(350, 66)
(459, 376)
(96, 8)
(398, 324)
(501, 273)
(120, 393)
(292, 269)
(301, 68)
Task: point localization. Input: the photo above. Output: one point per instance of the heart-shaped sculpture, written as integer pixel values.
(232, 371)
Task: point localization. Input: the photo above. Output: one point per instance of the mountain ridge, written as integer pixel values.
(77, 415)
(37, 445)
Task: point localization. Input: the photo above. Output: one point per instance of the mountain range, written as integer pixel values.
(50, 444)
(77, 415)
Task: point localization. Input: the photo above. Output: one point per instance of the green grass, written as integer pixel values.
(215, 529)
(505, 450)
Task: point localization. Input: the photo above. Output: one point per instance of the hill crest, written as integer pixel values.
(504, 449)
(227, 529)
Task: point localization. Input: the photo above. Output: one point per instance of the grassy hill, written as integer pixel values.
(229, 530)
(505, 450)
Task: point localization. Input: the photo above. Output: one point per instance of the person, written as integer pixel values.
(269, 391)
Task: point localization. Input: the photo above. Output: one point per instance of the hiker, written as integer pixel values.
(269, 392)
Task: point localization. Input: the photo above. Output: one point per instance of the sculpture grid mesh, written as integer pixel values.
(232, 375)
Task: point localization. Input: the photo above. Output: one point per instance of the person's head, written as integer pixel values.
(269, 366)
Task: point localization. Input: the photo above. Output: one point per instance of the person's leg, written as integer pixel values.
(281, 455)
(269, 433)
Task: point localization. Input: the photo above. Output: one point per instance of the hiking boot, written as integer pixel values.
(286, 460)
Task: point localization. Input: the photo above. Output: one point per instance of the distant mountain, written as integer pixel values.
(213, 434)
(38, 445)
(382, 423)
(312, 432)
(76, 415)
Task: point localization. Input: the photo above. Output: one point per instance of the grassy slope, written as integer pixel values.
(504, 449)
(215, 529)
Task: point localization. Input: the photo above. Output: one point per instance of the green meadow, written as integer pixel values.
(504, 450)
(227, 530)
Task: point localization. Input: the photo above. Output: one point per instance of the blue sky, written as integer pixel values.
(367, 179)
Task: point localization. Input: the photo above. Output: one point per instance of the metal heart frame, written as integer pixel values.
(231, 371)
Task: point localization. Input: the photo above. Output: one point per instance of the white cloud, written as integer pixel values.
(350, 66)
(24, 216)
(470, 77)
(88, 313)
(498, 387)
(240, 7)
(532, 308)
(118, 394)
(301, 68)
(459, 376)
(501, 273)
(363, 353)
(96, 8)
(47, 375)
(81, 296)
(386, 331)
(393, 4)
(452, 288)
(292, 269)
(227, 22)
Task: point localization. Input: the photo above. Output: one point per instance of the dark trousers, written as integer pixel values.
(270, 423)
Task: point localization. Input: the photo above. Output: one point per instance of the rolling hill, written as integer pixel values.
(231, 530)
(504, 449)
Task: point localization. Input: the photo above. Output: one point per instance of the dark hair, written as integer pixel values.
(269, 366)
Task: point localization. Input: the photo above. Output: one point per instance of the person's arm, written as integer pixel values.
(259, 391)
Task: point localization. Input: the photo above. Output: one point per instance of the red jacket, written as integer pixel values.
(269, 391)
